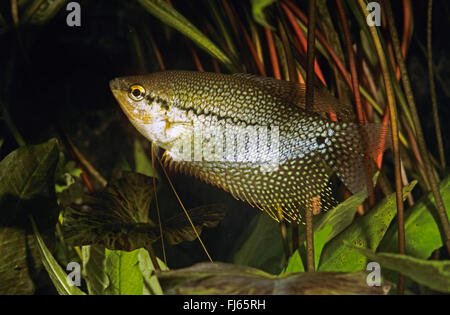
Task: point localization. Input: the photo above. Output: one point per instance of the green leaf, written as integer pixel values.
(168, 15)
(257, 10)
(98, 275)
(421, 231)
(151, 282)
(367, 231)
(263, 248)
(434, 274)
(295, 264)
(26, 188)
(59, 278)
(94, 269)
(27, 185)
(262, 245)
(142, 163)
(122, 268)
(221, 278)
(320, 239)
(340, 217)
(117, 217)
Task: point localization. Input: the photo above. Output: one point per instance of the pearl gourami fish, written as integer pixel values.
(251, 136)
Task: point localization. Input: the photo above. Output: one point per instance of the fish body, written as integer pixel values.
(248, 135)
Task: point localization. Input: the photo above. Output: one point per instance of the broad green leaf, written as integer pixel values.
(97, 275)
(295, 264)
(262, 245)
(221, 278)
(434, 274)
(340, 217)
(257, 10)
(168, 15)
(367, 231)
(63, 284)
(122, 268)
(142, 162)
(421, 231)
(320, 239)
(151, 283)
(27, 185)
(94, 269)
(26, 188)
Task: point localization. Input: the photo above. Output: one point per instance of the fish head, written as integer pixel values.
(149, 105)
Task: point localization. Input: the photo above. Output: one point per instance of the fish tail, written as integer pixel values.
(353, 150)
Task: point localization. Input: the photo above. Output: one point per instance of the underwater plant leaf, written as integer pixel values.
(94, 269)
(142, 163)
(295, 264)
(27, 185)
(434, 274)
(222, 278)
(366, 231)
(151, 282)
(422, 234)
(263, 247)
(99, 276)
(168, 15)
(258, 7)
(61, 281)
(40, 12)
(26, 188)
(117, 217)
(178, 228)
(125, 276)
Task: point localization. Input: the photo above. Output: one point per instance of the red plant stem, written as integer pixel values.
(258, 63)
(355, 84)
(273, 54)
(215, 65)
(197, 62)
(322, 40)
(407, 26)
(302, 39)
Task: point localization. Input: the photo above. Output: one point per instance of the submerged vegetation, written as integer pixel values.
(82, 191)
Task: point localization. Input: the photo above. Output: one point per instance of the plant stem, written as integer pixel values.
(309, 103)
(395, 140)
(359, 110)
(443, 218)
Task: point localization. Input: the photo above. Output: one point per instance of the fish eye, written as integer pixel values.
(136, 92)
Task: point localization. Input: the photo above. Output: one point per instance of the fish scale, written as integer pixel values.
(169, 107)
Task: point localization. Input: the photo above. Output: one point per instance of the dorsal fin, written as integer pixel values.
(294, 92)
